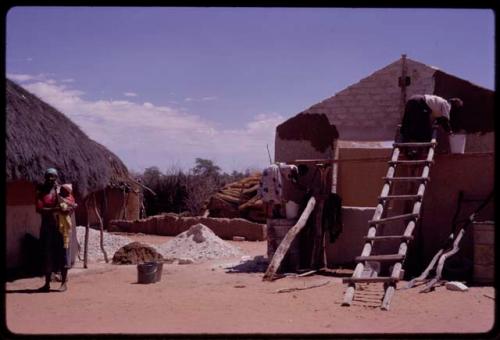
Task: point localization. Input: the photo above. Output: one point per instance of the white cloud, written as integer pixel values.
(130, 94)
(144, 135)
(209, 98)
(20, 77)
(202, 99)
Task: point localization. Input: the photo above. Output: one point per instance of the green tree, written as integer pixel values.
(205, 167)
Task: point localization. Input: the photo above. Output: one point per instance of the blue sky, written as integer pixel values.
(161, 86)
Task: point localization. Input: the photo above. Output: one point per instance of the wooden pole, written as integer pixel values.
(86, 242)
(101, 229)
(287, 241)
(427, 270)
(124, 213)
(441, 261)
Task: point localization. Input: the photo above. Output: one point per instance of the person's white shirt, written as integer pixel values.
(439, 106)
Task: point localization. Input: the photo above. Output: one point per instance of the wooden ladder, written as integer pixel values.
(361, 274)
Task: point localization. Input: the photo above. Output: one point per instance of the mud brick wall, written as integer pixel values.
(172, 225)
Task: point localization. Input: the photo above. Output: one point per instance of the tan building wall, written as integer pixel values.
(115, 201)
(21, 218)
(110, 206)
(472, 173)
(349, 243)
(360, 183)
(477, 142)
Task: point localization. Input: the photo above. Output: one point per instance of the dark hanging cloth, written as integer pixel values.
(416, 125)
(332, 216)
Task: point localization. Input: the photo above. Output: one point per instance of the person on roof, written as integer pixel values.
(422, 112)
(54, 255)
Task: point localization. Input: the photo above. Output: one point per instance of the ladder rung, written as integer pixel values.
(398, 179)
(393, 218)
(400, 197)
(411, 162)
(368, 279)
(414, 145)
(390, 257)
(388, 237)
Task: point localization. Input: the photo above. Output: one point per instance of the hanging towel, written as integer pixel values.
(332, 216)
(273, 180)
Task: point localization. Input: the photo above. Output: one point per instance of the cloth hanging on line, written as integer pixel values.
(272, 182)
(332, 216)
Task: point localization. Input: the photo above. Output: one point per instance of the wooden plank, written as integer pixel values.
(400, 197)
(415, 145)
(410, 162)
(388, 237)
(369, 279)
(308, 273)
(389, 257)
(287, 241)
(393, 218)
(335, 161)
(399, 179)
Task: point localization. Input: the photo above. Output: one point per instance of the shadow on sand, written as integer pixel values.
(30, 291)
(256, 265)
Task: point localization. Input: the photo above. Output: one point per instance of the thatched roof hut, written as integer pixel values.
(38, 137)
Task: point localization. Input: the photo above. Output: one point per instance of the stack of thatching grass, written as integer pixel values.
(238, 199)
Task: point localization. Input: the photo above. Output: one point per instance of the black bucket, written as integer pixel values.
(148, 272)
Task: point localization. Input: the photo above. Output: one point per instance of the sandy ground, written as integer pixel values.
(203, 298)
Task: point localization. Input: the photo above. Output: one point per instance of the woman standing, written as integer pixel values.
(54, 255)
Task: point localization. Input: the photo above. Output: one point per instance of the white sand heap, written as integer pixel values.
(111, 244)
(199, 243)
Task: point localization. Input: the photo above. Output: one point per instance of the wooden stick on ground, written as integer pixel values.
(287, 241)
(288, 290)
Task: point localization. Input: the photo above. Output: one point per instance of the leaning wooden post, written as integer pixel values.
(101, 229)
(86, 242)
(442, 259)
(287, 241)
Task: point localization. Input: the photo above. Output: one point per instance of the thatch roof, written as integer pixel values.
(38, 137)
